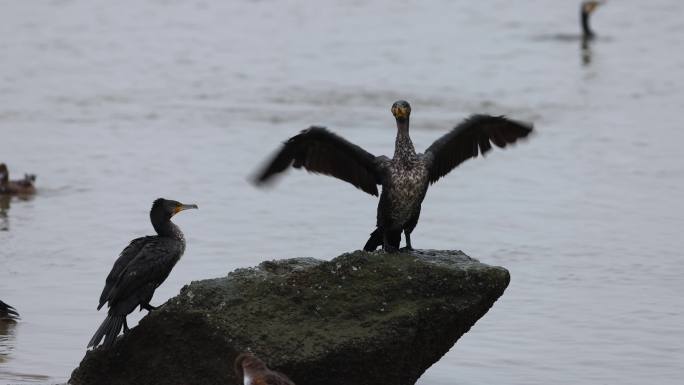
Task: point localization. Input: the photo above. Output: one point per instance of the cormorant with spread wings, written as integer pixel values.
(404, 178)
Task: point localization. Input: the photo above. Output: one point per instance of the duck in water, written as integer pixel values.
(141, 267)
(404, 178)
(16, 187)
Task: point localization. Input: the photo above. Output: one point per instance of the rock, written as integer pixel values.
(362, 318)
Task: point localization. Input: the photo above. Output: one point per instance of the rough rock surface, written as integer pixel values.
(360, 319)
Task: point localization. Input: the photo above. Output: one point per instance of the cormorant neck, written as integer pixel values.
(586, 30)
(163, 226)
(403, 146)
(167, 229)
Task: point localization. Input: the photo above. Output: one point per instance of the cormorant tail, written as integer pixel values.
(374, 241)
(110, 328)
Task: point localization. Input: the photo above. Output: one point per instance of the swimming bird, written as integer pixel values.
(16, 187)
(141, 267)
(404, 178)
(587, 8)
(253, 371)
(8, 313)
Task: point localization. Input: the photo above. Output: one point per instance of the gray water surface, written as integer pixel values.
(114, 104)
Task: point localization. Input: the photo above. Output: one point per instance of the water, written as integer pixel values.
(113, 104)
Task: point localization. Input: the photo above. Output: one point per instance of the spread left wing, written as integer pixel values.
(320, 151)
(473, 136)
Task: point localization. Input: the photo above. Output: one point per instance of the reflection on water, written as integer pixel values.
(5, 204)
(4, 209)
(6, 340)
(585, 49)
(8, 332)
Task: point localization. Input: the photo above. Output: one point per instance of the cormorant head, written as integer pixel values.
(590, 6)
(587, 8)
(165, 208)
(248, 362)
(4, 173)
(401, 110)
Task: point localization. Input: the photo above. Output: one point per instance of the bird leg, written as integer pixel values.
(149, 307)
(125, 325)
(408, 241)
(386, 245)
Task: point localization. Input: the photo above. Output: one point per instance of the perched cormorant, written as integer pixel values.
(586, 9)
(19, 187)
(254, 371)
(404, 178)
(7, 312)
(141, 267)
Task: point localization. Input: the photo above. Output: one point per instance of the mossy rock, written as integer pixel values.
(359, 319)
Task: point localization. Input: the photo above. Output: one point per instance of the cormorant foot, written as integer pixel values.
(390, 249)
(149, 307)
(407, 248)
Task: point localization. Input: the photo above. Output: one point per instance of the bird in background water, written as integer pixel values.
(16, 187)
(141, 267)
(250, 370)
(8, 313)
(404, 178)
(587, 8)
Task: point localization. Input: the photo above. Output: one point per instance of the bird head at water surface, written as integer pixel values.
(247, 361)
(250, 370)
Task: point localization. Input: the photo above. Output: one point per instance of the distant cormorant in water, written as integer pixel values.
(404, 178)
(250, 370)
(16, 187)
(7, 312)
(141, 267)
(586, 10)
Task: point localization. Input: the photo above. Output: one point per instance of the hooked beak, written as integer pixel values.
(182, 207)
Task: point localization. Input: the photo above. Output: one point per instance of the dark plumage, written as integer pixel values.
(141, 267)
(250, 370)
(404, 178)
(586, 9)
(8, 313)
(320, 151)
(16, 187)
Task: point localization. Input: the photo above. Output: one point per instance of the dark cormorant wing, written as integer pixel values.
(126, 256)
(145, 272)
(471, 137)
(320, 151)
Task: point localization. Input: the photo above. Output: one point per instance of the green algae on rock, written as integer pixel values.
(361, 318)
